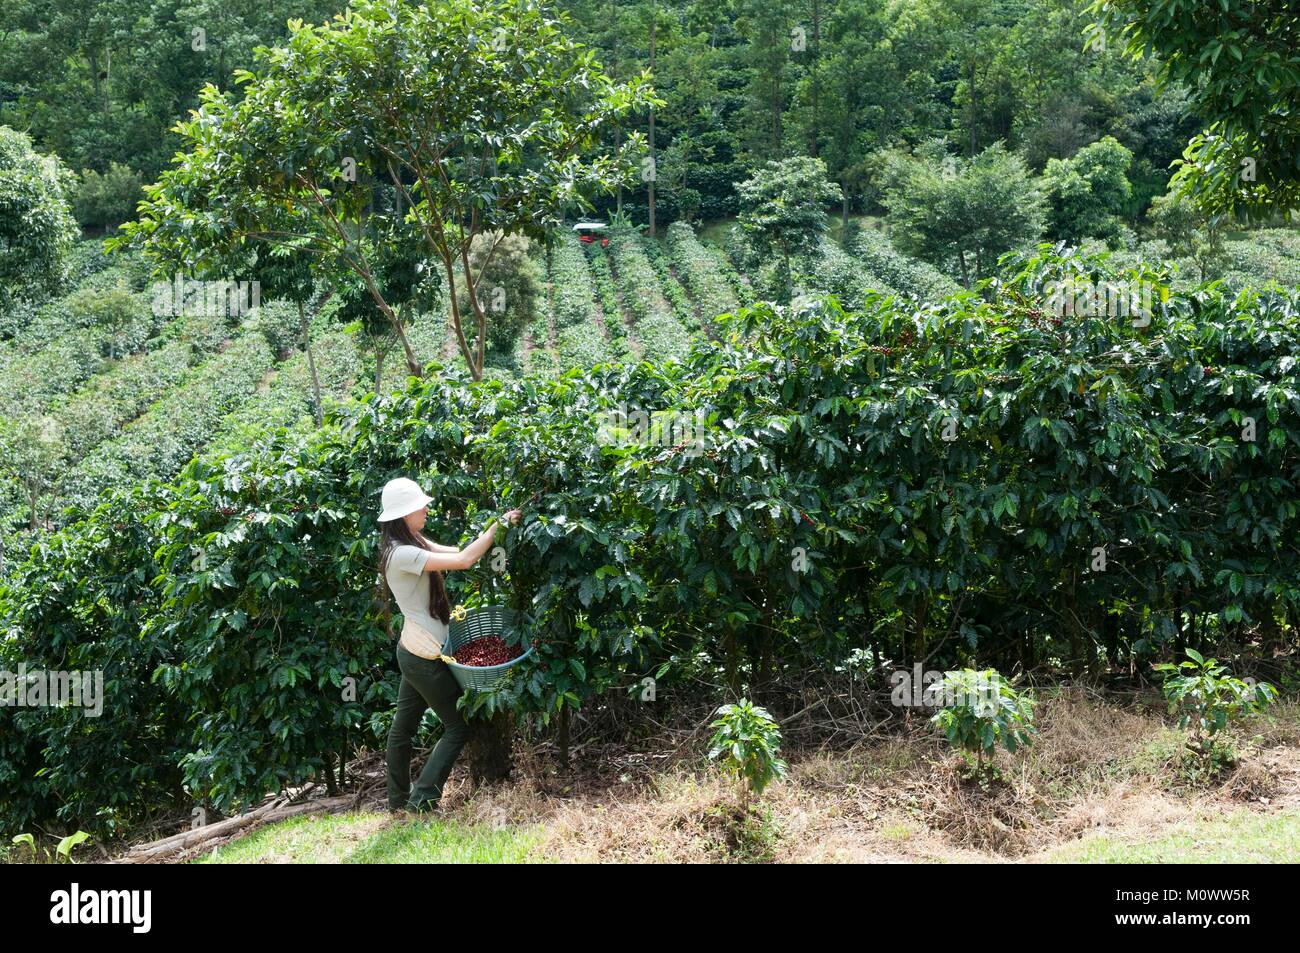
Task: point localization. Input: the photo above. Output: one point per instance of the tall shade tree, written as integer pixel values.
(975, 30)
(32, 448)
(1087, 192)
(1241, 61)
(36, 224)
(101, 81)
(1191, 234)
(769, 27)
(287, 274)
(462, 117)
(967, 211)
(782, 211)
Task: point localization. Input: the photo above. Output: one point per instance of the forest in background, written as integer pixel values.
(102, 84)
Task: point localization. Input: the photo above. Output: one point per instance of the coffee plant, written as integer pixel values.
(747, 742)
(981, 711)
(1208, 699)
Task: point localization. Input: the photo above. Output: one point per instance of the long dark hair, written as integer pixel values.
(394, 533)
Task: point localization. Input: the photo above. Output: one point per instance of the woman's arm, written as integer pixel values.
(439, 548)
(447, 559)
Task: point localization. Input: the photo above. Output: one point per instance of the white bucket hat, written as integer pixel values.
(401, 497)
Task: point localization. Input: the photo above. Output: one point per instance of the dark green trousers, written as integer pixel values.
(426, 683)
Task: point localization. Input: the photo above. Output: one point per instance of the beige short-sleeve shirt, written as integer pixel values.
(422, 634)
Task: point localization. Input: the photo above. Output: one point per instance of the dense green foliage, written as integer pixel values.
(782, 212)
(506, 278)
(107, 199)
(1089, 191)
(895, 270)
(884, 467)
(36, 225)
(823, 512)
(742, 81)
(104, 82)
(1240, 60)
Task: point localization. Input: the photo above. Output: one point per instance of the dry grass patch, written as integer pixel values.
(1100, 772)
(686, 819)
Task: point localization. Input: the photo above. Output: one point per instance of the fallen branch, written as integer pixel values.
(276, 810)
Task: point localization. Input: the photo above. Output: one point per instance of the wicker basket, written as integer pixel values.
(477, 624)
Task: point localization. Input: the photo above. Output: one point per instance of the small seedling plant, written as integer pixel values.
(62, 853)
(747, 743)
(982, 710)
(1208, 698)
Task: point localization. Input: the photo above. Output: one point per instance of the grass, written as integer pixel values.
(715, 230)
(688, 824)
(446, 842)
(373, 838)
(1240, 837)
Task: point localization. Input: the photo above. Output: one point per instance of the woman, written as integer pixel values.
(406, 558)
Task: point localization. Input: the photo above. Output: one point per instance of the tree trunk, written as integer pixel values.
(1180, 639)
(920, 611)
(457, 317)
(381, 352)
(778, 131)
(763, 668)
(1072, 623)
(612, 9)
(974, 111)
(816, 76)
(305, 327)
(869, 639)
(276, 810)
(730, 663)
(1110, 625)
(328, 771)
(618, 144)
(491, 742)
(92, 57)
(654, 172)
(562, 739)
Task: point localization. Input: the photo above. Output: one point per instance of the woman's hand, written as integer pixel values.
(448, 558)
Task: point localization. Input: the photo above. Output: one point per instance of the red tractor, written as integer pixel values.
(588, 232)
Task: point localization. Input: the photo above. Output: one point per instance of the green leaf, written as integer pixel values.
(72, 840)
